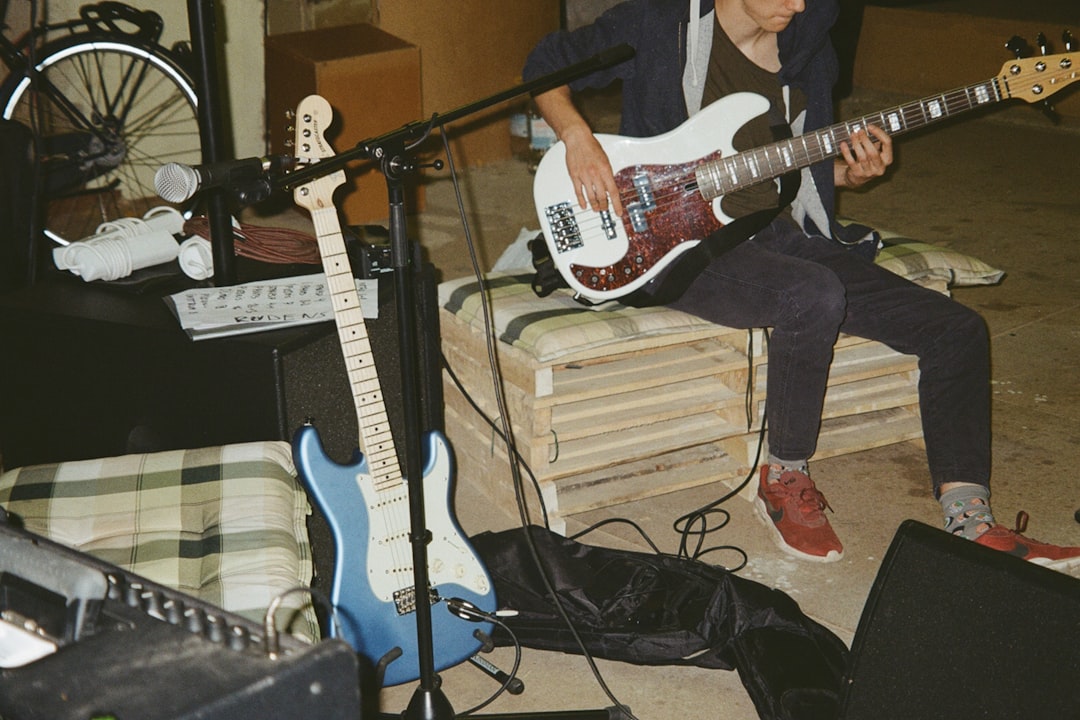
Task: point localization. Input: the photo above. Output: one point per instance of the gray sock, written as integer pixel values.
(777, 467)
(967, 511)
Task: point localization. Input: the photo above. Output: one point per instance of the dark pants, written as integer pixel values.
(808, 290)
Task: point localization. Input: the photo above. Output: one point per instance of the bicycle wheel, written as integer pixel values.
(108, 113)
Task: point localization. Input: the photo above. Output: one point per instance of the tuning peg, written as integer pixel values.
(1018, 46)
(1068, 41)
(1040, 40)
(1047, 106)
(1050, 111)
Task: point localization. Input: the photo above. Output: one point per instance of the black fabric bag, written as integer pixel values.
(651, 609)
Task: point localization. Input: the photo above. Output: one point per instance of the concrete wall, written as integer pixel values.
(284, 16)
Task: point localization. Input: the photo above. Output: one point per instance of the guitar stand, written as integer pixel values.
(514, 686)
(390, 151)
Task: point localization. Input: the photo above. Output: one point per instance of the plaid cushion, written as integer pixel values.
(557, 325)
(924, 263)
(224, 524)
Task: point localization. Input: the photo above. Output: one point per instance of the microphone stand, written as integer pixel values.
(202, 21)
(391, 152)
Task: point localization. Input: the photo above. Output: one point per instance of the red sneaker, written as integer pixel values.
(1040, 553)
(794, 508)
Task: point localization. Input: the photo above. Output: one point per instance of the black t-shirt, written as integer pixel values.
(731, 71)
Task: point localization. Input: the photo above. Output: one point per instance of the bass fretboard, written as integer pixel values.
(727, 174)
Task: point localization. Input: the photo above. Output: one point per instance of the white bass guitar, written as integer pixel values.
(671, 185)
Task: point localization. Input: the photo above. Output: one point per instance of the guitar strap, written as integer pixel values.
(547, 278)
(672, 283)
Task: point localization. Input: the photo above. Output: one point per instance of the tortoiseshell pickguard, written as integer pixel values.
(681, 215)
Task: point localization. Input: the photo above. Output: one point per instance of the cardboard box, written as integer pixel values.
(370, 78)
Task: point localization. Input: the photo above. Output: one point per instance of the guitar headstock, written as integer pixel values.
(313, 116)
(1036, 78)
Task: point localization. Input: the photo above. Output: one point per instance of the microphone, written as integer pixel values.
(176, 183)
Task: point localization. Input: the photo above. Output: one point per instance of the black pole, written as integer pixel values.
(201, 21)
(428, 702)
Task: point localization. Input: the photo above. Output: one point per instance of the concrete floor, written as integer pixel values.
(1000, 185)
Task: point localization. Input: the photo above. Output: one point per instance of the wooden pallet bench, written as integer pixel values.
(619, 404)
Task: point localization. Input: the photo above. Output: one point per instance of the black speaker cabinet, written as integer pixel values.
(88, 372)
(954, 630)
(109, 644)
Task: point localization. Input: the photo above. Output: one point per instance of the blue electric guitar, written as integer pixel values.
(366, 503)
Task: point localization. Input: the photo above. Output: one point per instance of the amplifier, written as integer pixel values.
(82, 639)
(94, 372)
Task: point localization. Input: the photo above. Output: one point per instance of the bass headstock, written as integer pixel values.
(1036, 78)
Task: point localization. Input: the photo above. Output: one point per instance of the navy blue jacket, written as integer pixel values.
(652, 91)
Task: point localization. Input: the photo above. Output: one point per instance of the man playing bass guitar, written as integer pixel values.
(799, 272)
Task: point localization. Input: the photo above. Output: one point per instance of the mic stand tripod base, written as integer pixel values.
(428, 703)
(432, 703)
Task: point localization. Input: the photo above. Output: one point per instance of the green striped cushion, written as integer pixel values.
(921, 262)
(224, 524)
(555, 326)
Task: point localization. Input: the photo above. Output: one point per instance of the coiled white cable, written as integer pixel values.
(120, 247)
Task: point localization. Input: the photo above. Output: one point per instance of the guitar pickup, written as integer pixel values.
(645, 202)
(607, 224)
(565, 233)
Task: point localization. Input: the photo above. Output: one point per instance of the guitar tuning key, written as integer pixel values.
(1050, 111)
(1040, 40)
(1068, 41)
(1044, 49)
(1018, 46)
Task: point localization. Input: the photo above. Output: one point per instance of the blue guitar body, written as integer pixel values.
(372, 591)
